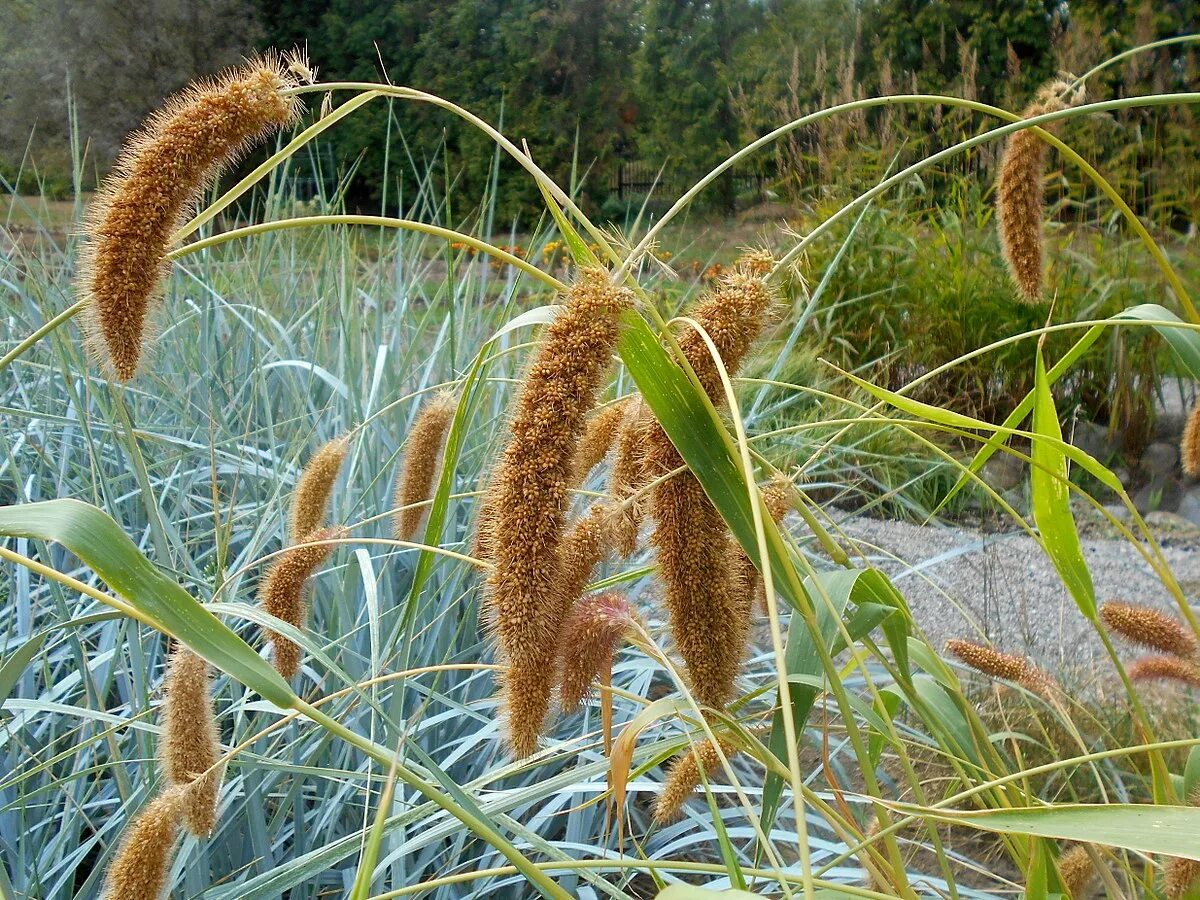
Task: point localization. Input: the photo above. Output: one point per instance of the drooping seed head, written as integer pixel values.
(1164, 668)
(143, 861)
(1077, 870)
(779, 498)
(189, 741)
(628, 476)
(283, 592)
(590, 638)
(684, 777)
(1149, 627)
(1180, 876)
(1189, 446)
(990, 662)
(157, 179)
(583, 548)
(601, 431)
(422, 460)
(532, 484)
(310, 502)
(1019, 194)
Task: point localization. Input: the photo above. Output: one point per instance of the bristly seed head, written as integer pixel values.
(422, 461)
(1164, 668)
(779, 498)
(990, 662)
(283, 591)
(1077, 870)
(1180, 876)
(189, 745)
(629, 476)
(1189, 446)
(1150, 628)
(590, 638)
(310, 502)
(602, 429)
(1019, 194)
(140, 869)
(156, 181)
(531, 488)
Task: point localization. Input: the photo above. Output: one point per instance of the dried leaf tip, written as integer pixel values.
(189, 742)
(1020, 192)
(1149, 627)
(530, 491)
(1189, 446)
(310, 503)
(590, 638)
(422, 461)
(143, 861)
(163, 169)
(283, 592)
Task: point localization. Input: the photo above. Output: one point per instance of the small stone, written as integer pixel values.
(1161, 493)
(1093, 440)
(1189, 506)
(1003, 472)
(1160, 458)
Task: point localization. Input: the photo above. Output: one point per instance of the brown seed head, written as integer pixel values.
(283, 592)
(1149, 627)
(1077, 870)
(1164, 668)
(602, 429)
(162, 171)
(189, 741)
(1189, 447)
(310, 503)
(990, 662)
(684, 776)
(532, 484)
(143, 861)
(779, 498)
(583, 548)
(422, 460)
(708, 620)
(1019, 195)
(590, 638)
(629, 476)
(1180, 875)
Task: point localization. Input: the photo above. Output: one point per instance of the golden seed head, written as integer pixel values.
(1180, 875)
(602, 429)
(189, 741)
(1164, 668)
(583, 548)
(1077, 870)
(991, 662)
(757, 263)
(684, 776)
(422, 461)
(590, 637)
(531, 489)
(158, 177)
(282, 593)
(1189, 447)
(1150, 628)
(310, 502)
(779, 498)
(628, 476)
(1019, 195)
(143, 861)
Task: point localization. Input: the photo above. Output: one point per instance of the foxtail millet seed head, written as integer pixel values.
(283, 590)
(140, 869)
(1180, 876)
(1150, 628)
(1164, 668)
(628, 476)
(598, 438)
(990, 662)
(779, 498)
(583, 548)
(1019, 194)
(310, 502)
(683, 777)
(532, 488)
(591, 635)
(422, 460)
(189, 745)
(1189, 445)
(1077, 870)
(163, 170)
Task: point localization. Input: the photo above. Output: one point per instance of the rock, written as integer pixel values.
(1189, 506)
(1160, 458)
(1160, 493)
(1118, 511)
(1003, 472)
(1093, 439)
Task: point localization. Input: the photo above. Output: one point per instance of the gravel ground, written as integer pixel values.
(961, 582)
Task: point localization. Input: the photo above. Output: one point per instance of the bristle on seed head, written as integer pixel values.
(140, 869)
(283, 592)
(590, 638)
(1189, 446)
(189, 745)
(156, 181)
(310, 502)
(601, 431)
(531, 490)
(1150, 628)
(1164, 668)
(422, 461)
(1077, 870)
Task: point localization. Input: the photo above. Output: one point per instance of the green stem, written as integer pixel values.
(44, 330)
(1113, 60)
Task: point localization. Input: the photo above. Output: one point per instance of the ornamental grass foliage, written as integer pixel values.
(581, 590)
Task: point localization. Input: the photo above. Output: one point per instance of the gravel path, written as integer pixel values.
(961, 582)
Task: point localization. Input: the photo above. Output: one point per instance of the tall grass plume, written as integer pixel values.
(189, 746)
(310, 502)
(422, 460)
(283, 592)
(143, 861)
(1150, 628)
(628, 476)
